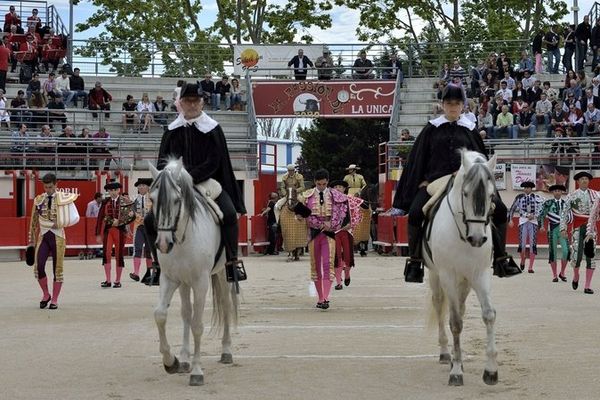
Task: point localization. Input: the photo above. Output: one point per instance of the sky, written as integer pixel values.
(342, 31)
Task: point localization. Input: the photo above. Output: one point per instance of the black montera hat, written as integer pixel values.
(112, 185)
(191, 90)
(527, 184)
(583, 174)
(452, 92)
(143, 181)
(557, 187)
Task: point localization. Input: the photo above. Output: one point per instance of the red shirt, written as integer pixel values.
(10, 19)
(4, 58)
(99, 97)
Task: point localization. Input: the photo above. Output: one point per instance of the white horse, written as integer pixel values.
(458, 253)
(190, 257)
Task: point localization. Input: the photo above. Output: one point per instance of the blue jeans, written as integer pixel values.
(553, 67)
(217, 104)
(516, 129)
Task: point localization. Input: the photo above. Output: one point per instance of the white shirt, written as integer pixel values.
(204, 123)
(63, 83)
(93, 208)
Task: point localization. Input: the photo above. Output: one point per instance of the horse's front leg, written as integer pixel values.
(186, 317)
(200, 289)
(167, 288)
(437, 300)
(488, 313)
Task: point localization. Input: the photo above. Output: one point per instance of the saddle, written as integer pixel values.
(437, 189)
(210, 189)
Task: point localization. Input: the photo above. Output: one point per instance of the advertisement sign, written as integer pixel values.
(522, 173)
(500, 176)
(323, 99)
(266, 59)
(548, 175)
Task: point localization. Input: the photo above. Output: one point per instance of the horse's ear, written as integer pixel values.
(153, 170)
(492, 163)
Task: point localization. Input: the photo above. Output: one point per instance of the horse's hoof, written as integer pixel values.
(455, 380)
(173, 369)
(490, 378)
(196, 380)
(184, 367)
(445, 358)
(226, 358)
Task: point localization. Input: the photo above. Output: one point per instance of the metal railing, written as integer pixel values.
(55, 22)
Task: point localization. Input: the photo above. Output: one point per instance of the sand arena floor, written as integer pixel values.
(371, 343)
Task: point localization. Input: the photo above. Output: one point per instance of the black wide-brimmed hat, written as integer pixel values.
(583, 174)
(527, 184)
(112, 185)
(557, 187)
(302, 210)
(338, 182)
(144, 181)
(452, 92)
(30, 255)
(190, 90)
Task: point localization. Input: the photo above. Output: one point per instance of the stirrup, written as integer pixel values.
(235, 271)
(505, 266)
(413, 273)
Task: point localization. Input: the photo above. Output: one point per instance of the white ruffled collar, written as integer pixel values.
(204, 123)
(462, 121)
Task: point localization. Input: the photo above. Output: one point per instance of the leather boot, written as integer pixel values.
(413, 269)
(504, 266)
(150, 235)
(234, 268)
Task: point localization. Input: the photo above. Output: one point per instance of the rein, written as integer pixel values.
(173, 228)
(465, 221)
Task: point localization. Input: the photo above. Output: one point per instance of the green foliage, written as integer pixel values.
(335, 143)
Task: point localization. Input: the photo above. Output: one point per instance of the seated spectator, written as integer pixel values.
(129, 115)
(50, 55)
(39, 114)
(485, 122)
(504, 123)
(551, 93)
(102, 146)
(161, 108)
(517, 105)
(99, 99)
(324, 65)
(77, 86)
(562, 147)
(394, 68)
(496, 107)
(222, 92)
(20, 139)
(519, 91)
(504, 92)
(595, 86)
(4, 115)
(29, 51)
(525, 123)
(63, 86)
(477, 74)
(20, 113)
(445, 73)
(581, 79)
(589, 98)
(405, 136)
(468, 113)
(176, 94)
(511, 84)
(145, 108)
(485, 90)
(34, 89)
(49, 88)
(490, 81)
(525, 66)
(504, 63)
(208, 91)
(574, 120)
(12, 47)
(46, 144)
(440, 85)
(458, 72)
(362, 67)
(543, 110)
(573, 89)
(534, 93)
(67, 146)
(571, 100)
(489, 147)
(34, 23)
(528, 80)
(557, 119)
(236, 95)
(85, 144)
(56, 111)
(591, 120)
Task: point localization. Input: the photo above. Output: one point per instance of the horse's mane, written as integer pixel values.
(476, 179)
(185, 183)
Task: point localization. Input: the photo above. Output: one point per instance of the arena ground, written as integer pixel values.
(371, 344)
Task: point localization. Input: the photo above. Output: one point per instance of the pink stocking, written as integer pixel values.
(338, 275)
(44, 285)
(326, 288)
(136, 265)
(588, 277)
(319, 287)
(553, 267)
(346, 271)
(56, 292)
(119, 272)
(107, 271)
(563, 267)
(148, 262)
(531, 260)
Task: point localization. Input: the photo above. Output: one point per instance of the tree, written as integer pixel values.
(335, 143)
(170, 32)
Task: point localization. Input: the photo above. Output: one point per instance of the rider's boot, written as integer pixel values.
(504, 266)
(413, 270)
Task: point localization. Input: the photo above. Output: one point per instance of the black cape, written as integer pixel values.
(205, 155)
(433, 155)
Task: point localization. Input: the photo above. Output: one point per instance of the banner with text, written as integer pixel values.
(323, 99)
(522, 173)
(500, 176)
(259, 59)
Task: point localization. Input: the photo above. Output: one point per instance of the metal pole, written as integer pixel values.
(70, 56)
(575, 18)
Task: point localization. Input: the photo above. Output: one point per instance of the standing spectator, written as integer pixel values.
(99, 99)
(526, 123)
(595, 43)
(551, 40)
(222, 90)
(56, 111)
(272, 225)
(4, 62)
(93, 207)
(394, 68)
(145, 108)
(161, 108)
(129, 108)
(324, 65)
(592, 119)
(583, 34)
(504, 123)
(20, 112)
(300, 63)
(34, 23)
(77, 86)
(543, 110)
(176, 94)
(569, 48)
(363, 67)
(63, 86)
(4, 115)
(208, 90)
(12, 18)
(356, 182)
(236, 95)
(20, 139)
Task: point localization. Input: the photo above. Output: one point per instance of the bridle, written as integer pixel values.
(466, 221)
(173, 227)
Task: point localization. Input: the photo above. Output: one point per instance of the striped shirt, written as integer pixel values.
(551, 209)
(528, 205)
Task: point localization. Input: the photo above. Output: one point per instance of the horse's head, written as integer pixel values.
(291, 198)
(476, 183)
(171, 193)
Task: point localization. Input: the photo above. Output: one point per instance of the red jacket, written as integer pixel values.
(99, 97)
(10, 19)
(4, 58)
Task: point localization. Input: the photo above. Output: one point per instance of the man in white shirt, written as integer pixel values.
(93, 206)
(592, 118)
(504, 92)
(527, 80)
(63, 85)
(543, 110)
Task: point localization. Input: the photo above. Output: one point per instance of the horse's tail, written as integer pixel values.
(225, 301)
(438, 303)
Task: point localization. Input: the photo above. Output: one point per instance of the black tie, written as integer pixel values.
(321, 199)
(143, 209)
(49, 202)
